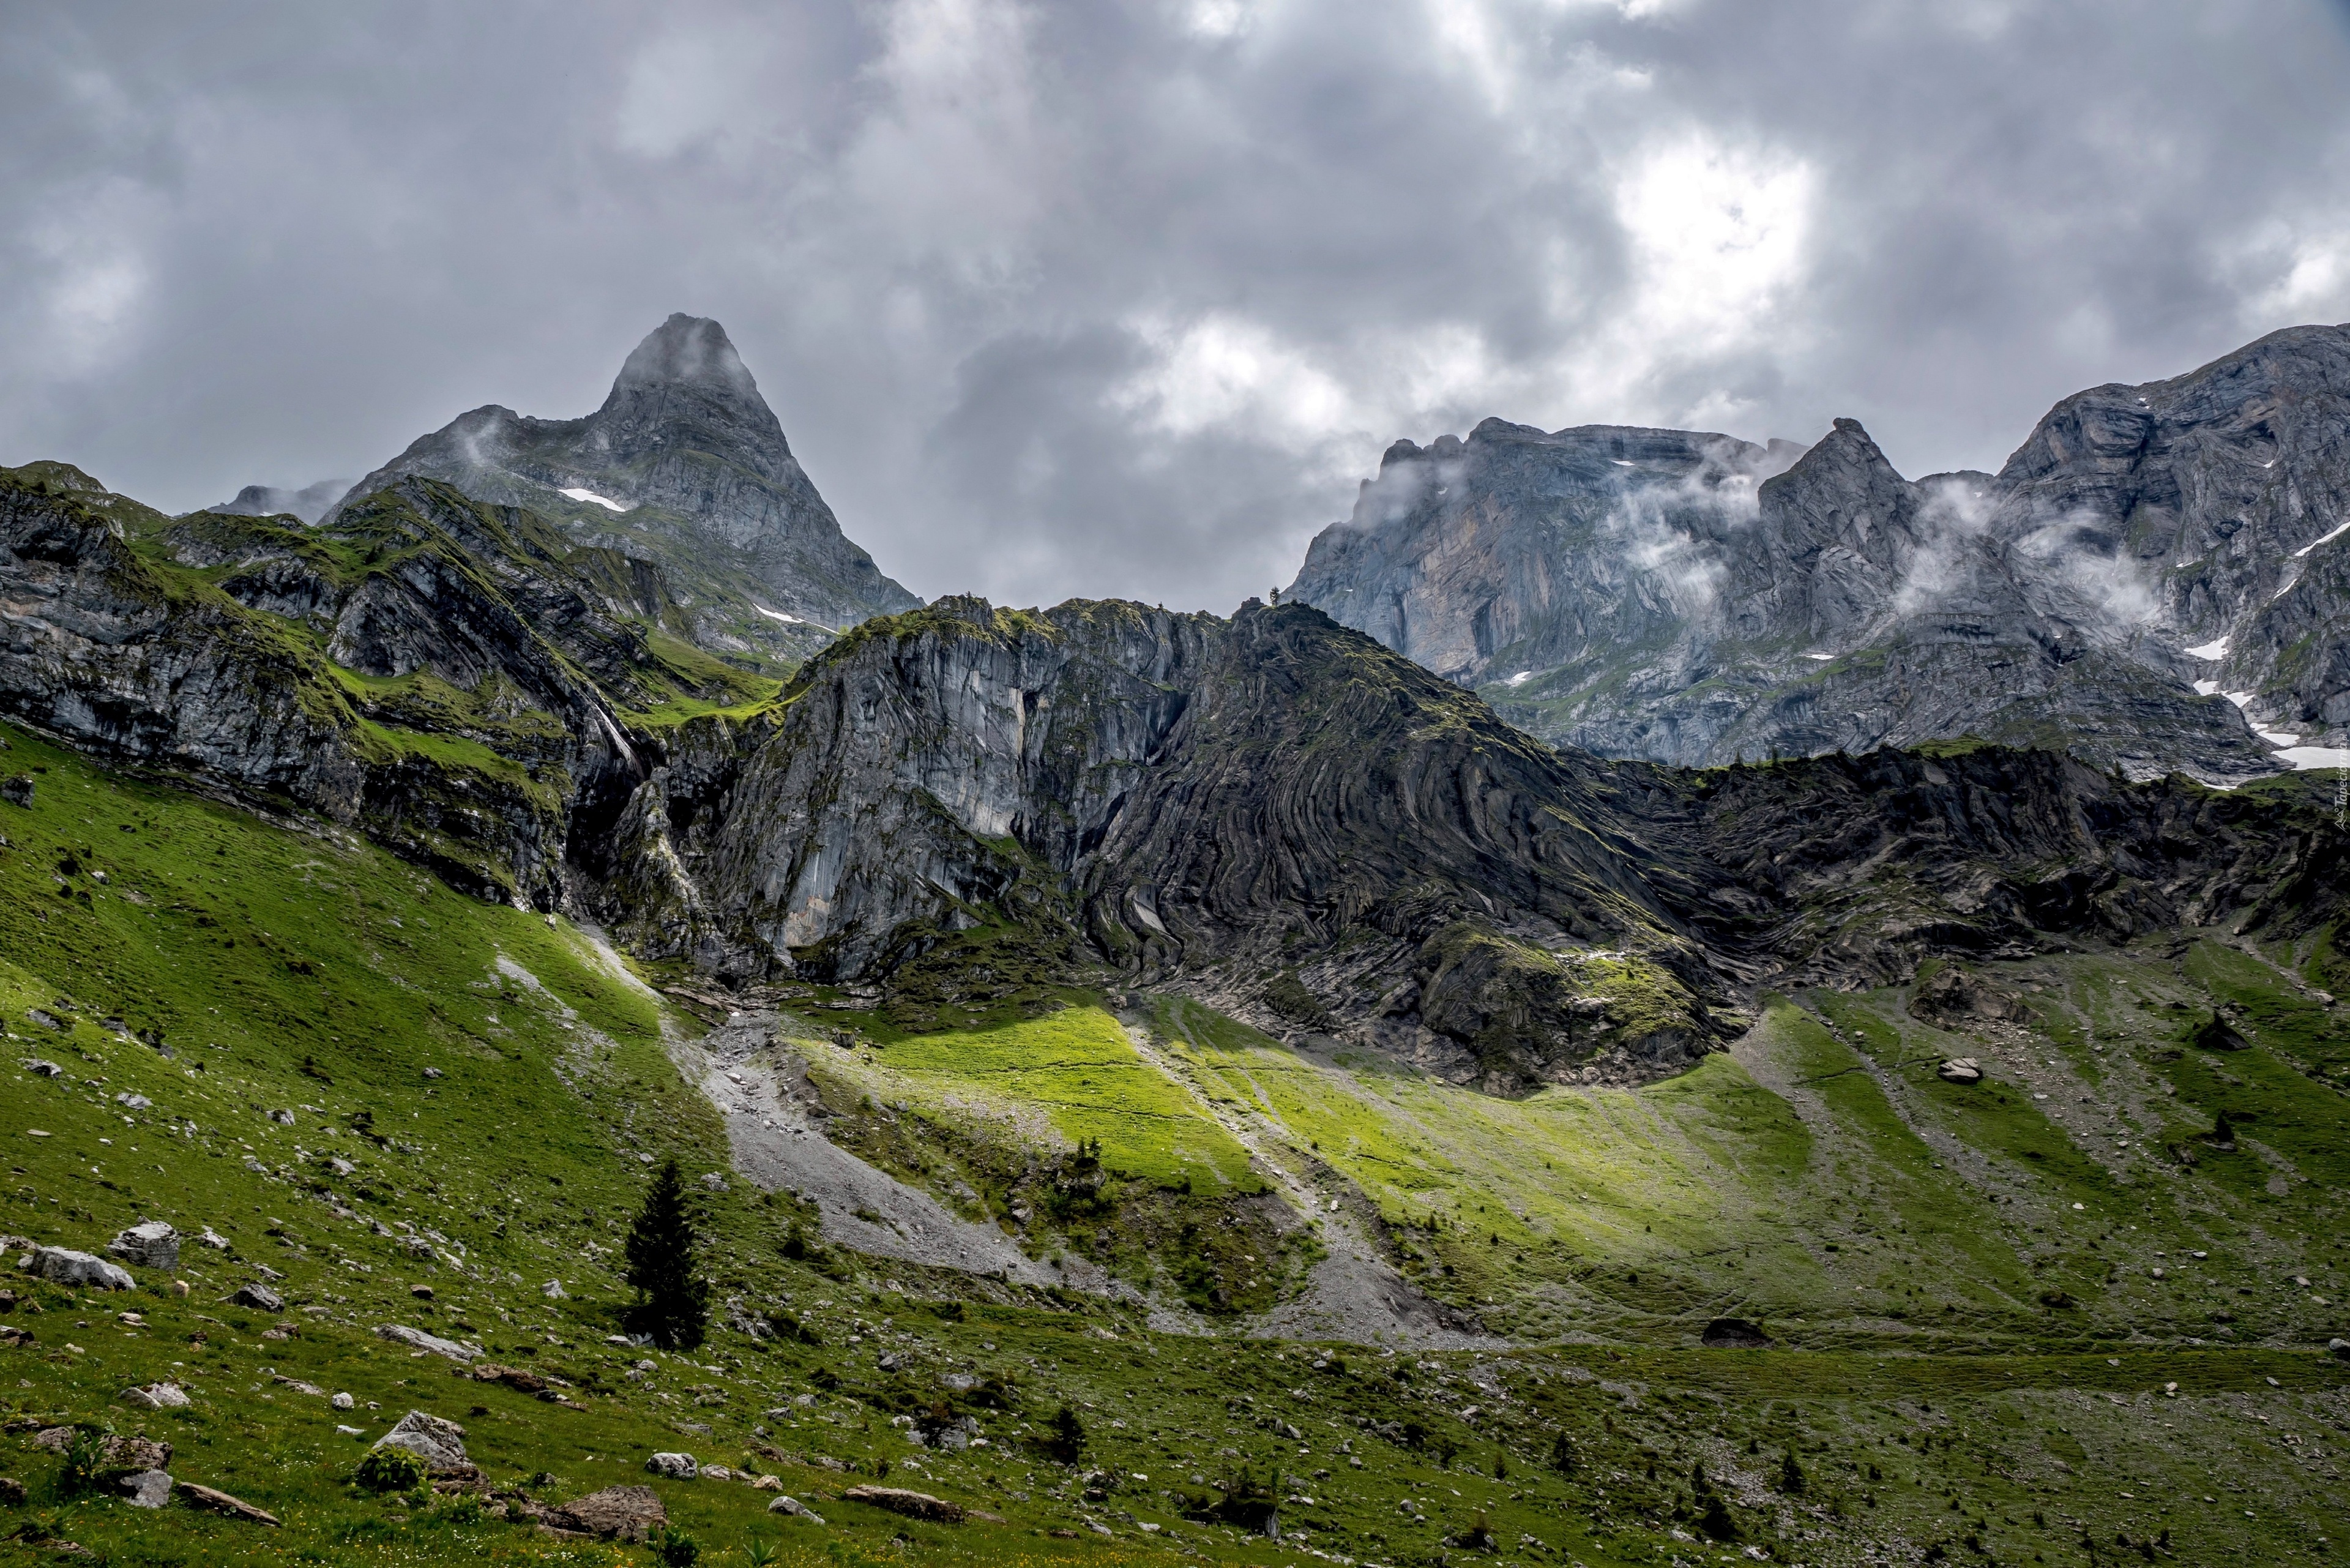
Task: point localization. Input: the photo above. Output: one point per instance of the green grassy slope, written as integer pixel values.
(285, 968)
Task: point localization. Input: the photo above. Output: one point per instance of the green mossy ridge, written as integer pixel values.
(1069, 1077)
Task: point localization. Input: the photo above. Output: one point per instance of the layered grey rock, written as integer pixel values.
(685, 465)
(438, 1442)
(1281, 816)
(150, 1245)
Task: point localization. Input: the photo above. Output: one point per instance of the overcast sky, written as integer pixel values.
(1123, 298)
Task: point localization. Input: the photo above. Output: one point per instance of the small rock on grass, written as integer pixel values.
(157, 1397)
(796, 1509)
(675, 1467)
(1961, 1070)
(439, 1443)
(417, 1339)
(146, 1489)
(261, 1298)
(216, 1502)
(912, 1504)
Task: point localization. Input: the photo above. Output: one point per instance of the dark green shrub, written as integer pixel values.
(390, 1469)
(1066, 1440)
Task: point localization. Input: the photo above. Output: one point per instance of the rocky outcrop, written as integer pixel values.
(1690, 598)
(111, 647)
(1282, 818)
(686, 466)
(965, 797)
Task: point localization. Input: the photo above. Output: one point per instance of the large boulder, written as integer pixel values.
(2218, 1034)
(150, 1245)
(80, 1270)
(1735, 1333)
(616, 1513)
(439, 1443)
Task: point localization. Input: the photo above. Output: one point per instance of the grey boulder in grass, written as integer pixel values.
(417, 1339)
(63, 1266)
(438, 1442)
(150, 1245)
(617, 1512)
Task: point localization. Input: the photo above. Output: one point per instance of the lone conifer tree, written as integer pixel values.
(672, 1301)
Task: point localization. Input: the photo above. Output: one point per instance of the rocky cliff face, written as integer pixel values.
(1690, 598)
(2221, 497)
(1280, 817)
(111, 649)
(965, 808)
(1270, 811)
(684, 465)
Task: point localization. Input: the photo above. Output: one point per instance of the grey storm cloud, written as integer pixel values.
(1124, 298)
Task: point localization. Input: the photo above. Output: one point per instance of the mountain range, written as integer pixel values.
(2151, 581)
(1668, 990)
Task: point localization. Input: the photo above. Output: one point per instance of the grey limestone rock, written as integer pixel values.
(150, 1245)
(157, 1397)
(63, 1266)
(261, 1298)
(673, 1466)
(146, 1489)
(615, 1514)
(417, 1339)
(438, 1442)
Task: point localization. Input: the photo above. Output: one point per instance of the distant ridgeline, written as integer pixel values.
(2154, 567)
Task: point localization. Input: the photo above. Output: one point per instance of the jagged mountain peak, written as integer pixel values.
(685, 465)
(690, 352)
